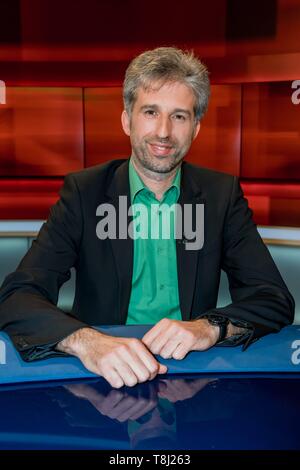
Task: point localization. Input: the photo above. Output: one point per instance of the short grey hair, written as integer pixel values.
(167, 64)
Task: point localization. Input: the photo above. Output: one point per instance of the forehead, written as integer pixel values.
(170, 94)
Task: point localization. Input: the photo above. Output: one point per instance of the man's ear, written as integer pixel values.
(197, 129)
(125, 122)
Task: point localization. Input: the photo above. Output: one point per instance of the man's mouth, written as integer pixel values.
(162, 150)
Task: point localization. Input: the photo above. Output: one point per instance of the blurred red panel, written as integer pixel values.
(218, 143)
(271, 132)
(41, 132)
(275, 211)
(28, 198)
(93, 22)
(254, 68)
(273, 190)
(274, 204)
(285, 212)
(104, 136)
(260, 206)
(239, 41)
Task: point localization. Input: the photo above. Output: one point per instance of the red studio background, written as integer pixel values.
(63, 64)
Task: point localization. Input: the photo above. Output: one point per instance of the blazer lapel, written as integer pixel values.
(122, 247)
(187, 259)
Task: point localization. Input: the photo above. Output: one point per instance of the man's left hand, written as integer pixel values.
(175, 338)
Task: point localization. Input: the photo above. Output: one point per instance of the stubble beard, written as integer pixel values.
(158, 164)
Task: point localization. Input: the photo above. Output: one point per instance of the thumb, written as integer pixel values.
(162, 369)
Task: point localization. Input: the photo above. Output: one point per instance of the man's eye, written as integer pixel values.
(150, 112)
(179, 117)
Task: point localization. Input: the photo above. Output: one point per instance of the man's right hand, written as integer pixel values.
(121, 361)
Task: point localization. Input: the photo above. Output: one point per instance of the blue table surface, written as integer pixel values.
(278, 352)
(235, 404)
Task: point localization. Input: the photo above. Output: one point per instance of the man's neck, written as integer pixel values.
(158, 183)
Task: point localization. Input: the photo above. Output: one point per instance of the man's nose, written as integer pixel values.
(163, 130)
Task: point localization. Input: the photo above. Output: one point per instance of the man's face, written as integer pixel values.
(161, 126)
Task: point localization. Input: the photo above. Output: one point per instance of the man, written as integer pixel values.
(126, 280)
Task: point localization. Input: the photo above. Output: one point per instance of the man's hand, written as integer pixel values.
(181, 389)
(121, 361)
(175, 338)
(117, 404)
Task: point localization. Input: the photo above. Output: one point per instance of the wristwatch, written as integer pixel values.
(221, 322)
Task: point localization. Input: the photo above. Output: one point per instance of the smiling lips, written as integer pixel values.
(162, 150)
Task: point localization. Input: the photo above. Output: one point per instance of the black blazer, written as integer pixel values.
(28, 297)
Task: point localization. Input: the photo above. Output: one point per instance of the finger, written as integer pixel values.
(78, 390)
(114, 373)
(168, 392)
(113, 378)
(169, 348)
(152, 365)
(160, 341)
(163, 369)
(180, 352)
(136, 410)
(126, 373)
(123, 408)
(111, 401)
(144, 407)
(141, 362)
(156, 330)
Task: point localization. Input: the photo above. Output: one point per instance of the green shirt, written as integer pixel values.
(154, 293)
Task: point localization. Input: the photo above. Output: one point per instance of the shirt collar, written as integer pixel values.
(136, 184)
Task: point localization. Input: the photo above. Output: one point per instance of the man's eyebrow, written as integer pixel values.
(181, 110)
(147, 106)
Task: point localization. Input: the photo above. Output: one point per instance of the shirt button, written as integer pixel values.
(161, 286)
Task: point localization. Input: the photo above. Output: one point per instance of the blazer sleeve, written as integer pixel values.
(260, 298)
(28, 296)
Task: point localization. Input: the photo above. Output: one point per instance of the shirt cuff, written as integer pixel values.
(41, 352)
(238, 339)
